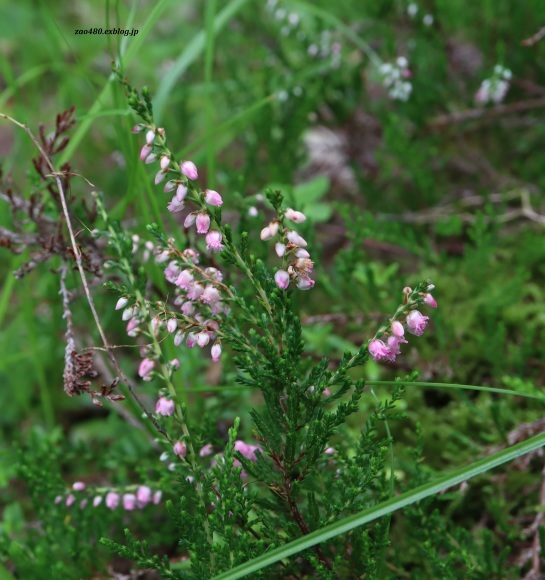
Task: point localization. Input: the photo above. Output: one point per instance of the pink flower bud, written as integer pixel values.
(112, 500)
(206, 450)
(188, 308)
(416, 322)
(195, 291)
(296, 239)
(121, 303)
(330, 451)
(150, 158)
(430, 300)
(203, 223)
(295, 216)
(165, 407)
(137, 129)
(172, 325)
(203, 338)
(305, 283)
(143, 496)
(132, 327)
(210, 295)
(213, 241)
(303, 254)
(160, 176)
(82, 504)
(181, 192)
(175, 205)
(216, 352)
(190, 220)
(266, 234)
(129, 501)
(184, 280)
(58, 500)
(145, 368)
(150, 136)
(282, 279)
(378, 350)
(70, 499)
(78, 486)
(280, 249)
(165, 162)
(128, 313)
(212, 197)
(157, 497)
(175, 364)
(191, 340)
(393, 345)
(397, 328)
(178, 338)
(170, 185)
(145, 152)
(97, 501)
(247, 450)
(180, 449)
(189, 169)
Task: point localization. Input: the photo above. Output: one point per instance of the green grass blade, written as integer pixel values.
(189, 55)
(385, 508)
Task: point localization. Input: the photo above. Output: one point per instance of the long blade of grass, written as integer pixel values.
(189, 55)
(385, 508)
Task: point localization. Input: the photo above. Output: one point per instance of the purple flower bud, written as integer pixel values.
(180, 449)
(191, 340)
(247, 450)
(129, 501)
(305, 283)
(295, 216)
(78, 486)
(160, 176)
(212, 197)
(282, 279)
(145, 368)
(416, 322)
(175, 364)
(165, 407)
(190, 220)
(210, 295)
(97, 501)
(430, 300)
(137, 129)
(184, 280)
(397, 328)
(157, 497)
(170, 185)
(70, 499)
(112, 500)
(216, 352)
(132, 327)
(189, 169)
(203, 223)
(150, 136)
(178, 338)
(175, 205)
(145, 152)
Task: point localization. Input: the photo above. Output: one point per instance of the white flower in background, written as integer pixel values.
(494, 89)
(412, 9)
(395, 78)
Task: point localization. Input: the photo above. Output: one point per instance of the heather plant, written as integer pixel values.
(225, 414)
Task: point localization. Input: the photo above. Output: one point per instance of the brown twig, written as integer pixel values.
(78, 258)
(535, 38)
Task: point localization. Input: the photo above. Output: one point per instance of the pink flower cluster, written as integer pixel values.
(291, 246)
(245, 449)
(130, 501)
(415, 322)
(181, 175)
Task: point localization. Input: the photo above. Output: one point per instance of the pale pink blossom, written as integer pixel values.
(70, 499)
(397, 328)
(128, 313)
(189, 169)
(305, 283)
(247, 450)
(121, 303)
(216, 352)
(170, 186)
(212, 197)
(280, 249)
(185, 279)
(157, 497)
(112, 500)
(270, 231)
(175, 205)
(301, 253)
(203, 338)
(178, 338)
(190, 219)
(181, 192)
(203, 223)
(393, 345)
(282, 279)
(164, 407)
(416, 322)
(129, 501)
(213, 241)
(296, 239)
(165, 162)
(78, 486)
(97, 501)
(145, 368)
(150, 136)
(210, 295)
(195, 291)
(430, 300)
(132, 327)
(295, 216)
(172, 271)
(150, 158)
(160, 177)
(191, 340)
(378, 350)
(206, 450)
(214, 273)
(172, 325)
(188, 308)
(175, 364)
(330, 451)
(180, 449)
(143, 496)
(58, 499)
(145, 151)
(137, 129)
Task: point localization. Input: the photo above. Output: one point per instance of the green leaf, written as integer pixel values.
(385, 508)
